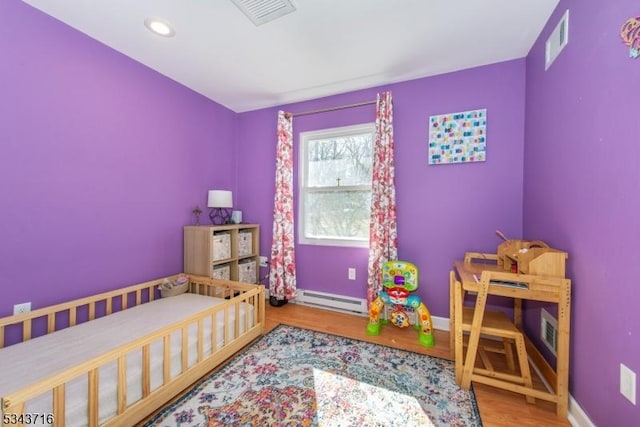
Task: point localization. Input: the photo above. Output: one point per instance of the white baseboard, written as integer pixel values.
(440, 323)
(577, 416)
(330, 301)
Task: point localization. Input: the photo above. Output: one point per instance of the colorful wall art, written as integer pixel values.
(458, 137)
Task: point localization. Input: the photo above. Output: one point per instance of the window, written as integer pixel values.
(335, 185)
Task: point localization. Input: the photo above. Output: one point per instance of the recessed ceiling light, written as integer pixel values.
(159, 26)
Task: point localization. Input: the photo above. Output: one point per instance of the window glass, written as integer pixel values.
(335, 185)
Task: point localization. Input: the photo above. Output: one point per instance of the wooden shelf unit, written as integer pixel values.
(204, 250)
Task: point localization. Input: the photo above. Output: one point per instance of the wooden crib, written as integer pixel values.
(124, 384)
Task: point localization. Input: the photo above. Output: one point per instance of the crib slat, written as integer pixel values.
(92, 310)
(236, 323)
(51, 322)
(58, 406)
(214, 332)
(251, 301)
(166, 360)
(18, 409)
(138, 297)
(200, 339)
(1, 336)
(125, 301)
(26, 330)
(247, 301)
(73, 316)
(146, 371)
(226, 328)
(92, 407)
(122, 384)
(185, 350)
(109, 308)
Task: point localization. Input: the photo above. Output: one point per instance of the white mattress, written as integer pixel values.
(25, 363)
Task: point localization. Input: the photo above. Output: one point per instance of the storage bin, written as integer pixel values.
(221, 246)
(222, 272)
(245, 243)
(247, 271)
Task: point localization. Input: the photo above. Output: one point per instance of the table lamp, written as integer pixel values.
(220, 201)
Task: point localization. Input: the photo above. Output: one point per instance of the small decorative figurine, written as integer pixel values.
(197, 211)
(630, 34)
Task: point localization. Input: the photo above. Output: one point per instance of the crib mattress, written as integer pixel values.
(25, 363)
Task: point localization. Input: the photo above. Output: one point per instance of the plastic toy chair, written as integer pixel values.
(399, 279)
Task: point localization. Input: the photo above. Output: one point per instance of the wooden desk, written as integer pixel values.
(556, 290)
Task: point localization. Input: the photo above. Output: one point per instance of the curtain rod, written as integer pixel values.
(324, 110)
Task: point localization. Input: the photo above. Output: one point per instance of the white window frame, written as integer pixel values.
(303, 188)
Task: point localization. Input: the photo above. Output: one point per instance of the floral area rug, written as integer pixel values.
(297, 377)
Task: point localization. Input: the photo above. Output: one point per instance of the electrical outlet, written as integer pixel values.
(263, 261)
(21, 308)
(628, 383)
(352, 274)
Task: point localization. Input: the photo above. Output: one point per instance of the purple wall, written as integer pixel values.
(443, 210)
(101, 162)
(581, 193)
(102, 159)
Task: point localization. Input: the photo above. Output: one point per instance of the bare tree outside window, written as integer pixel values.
(336, 185)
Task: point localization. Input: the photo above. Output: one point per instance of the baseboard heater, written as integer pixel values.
(333, 302)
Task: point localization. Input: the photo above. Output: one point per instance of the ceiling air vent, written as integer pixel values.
(262, 11)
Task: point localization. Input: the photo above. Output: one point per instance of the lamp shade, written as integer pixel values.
(220, 199)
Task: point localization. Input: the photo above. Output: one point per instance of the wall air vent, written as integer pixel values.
(557, 40)
(262, 11)
(549, 331)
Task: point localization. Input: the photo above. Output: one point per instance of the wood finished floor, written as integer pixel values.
(498, 408)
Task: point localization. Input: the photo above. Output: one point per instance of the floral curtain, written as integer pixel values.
(282, 272)
(383, 235)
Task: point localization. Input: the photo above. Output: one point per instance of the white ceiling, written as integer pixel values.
(324, 48)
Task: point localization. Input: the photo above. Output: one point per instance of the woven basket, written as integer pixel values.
(175, 290)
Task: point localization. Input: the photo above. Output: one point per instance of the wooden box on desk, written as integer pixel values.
(531, 257)
(542, 262)
(508, 252)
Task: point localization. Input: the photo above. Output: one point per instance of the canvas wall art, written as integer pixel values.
(458, 137)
